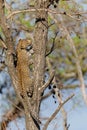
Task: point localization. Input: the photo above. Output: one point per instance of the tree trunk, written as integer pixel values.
(30, 125)
(40, 41)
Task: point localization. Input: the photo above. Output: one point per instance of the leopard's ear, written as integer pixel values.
(20, 40)
(19, 45)
(29, 40)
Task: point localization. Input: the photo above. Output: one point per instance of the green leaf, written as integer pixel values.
(76, 40)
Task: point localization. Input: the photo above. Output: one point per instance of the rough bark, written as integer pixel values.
(40, 41)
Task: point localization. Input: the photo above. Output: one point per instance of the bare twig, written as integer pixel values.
(56, 112)
(46, 95)
(16, 124)
(47, 83)
(15, 105)
(52, 48)
(3, 43)
(49, 10)
(80, 75)
(64, 114)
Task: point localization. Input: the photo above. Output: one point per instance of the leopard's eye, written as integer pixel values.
(28, 48)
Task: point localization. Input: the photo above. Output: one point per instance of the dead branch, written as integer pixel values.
(71, 44)
(16, 105)
(47, 83)
(64, 114)
(56, 112)
(47, 10)
(3, 43)
(52, 48)
(80, 75)
(46, 95)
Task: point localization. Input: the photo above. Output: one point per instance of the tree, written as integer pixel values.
(41, 9)
(39, 57)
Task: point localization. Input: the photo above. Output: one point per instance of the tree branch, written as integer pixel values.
(80, 75)
(52, 45)
(64, 114)
(71, 44)
(47, 10)
(56, 112)
(47, 83)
